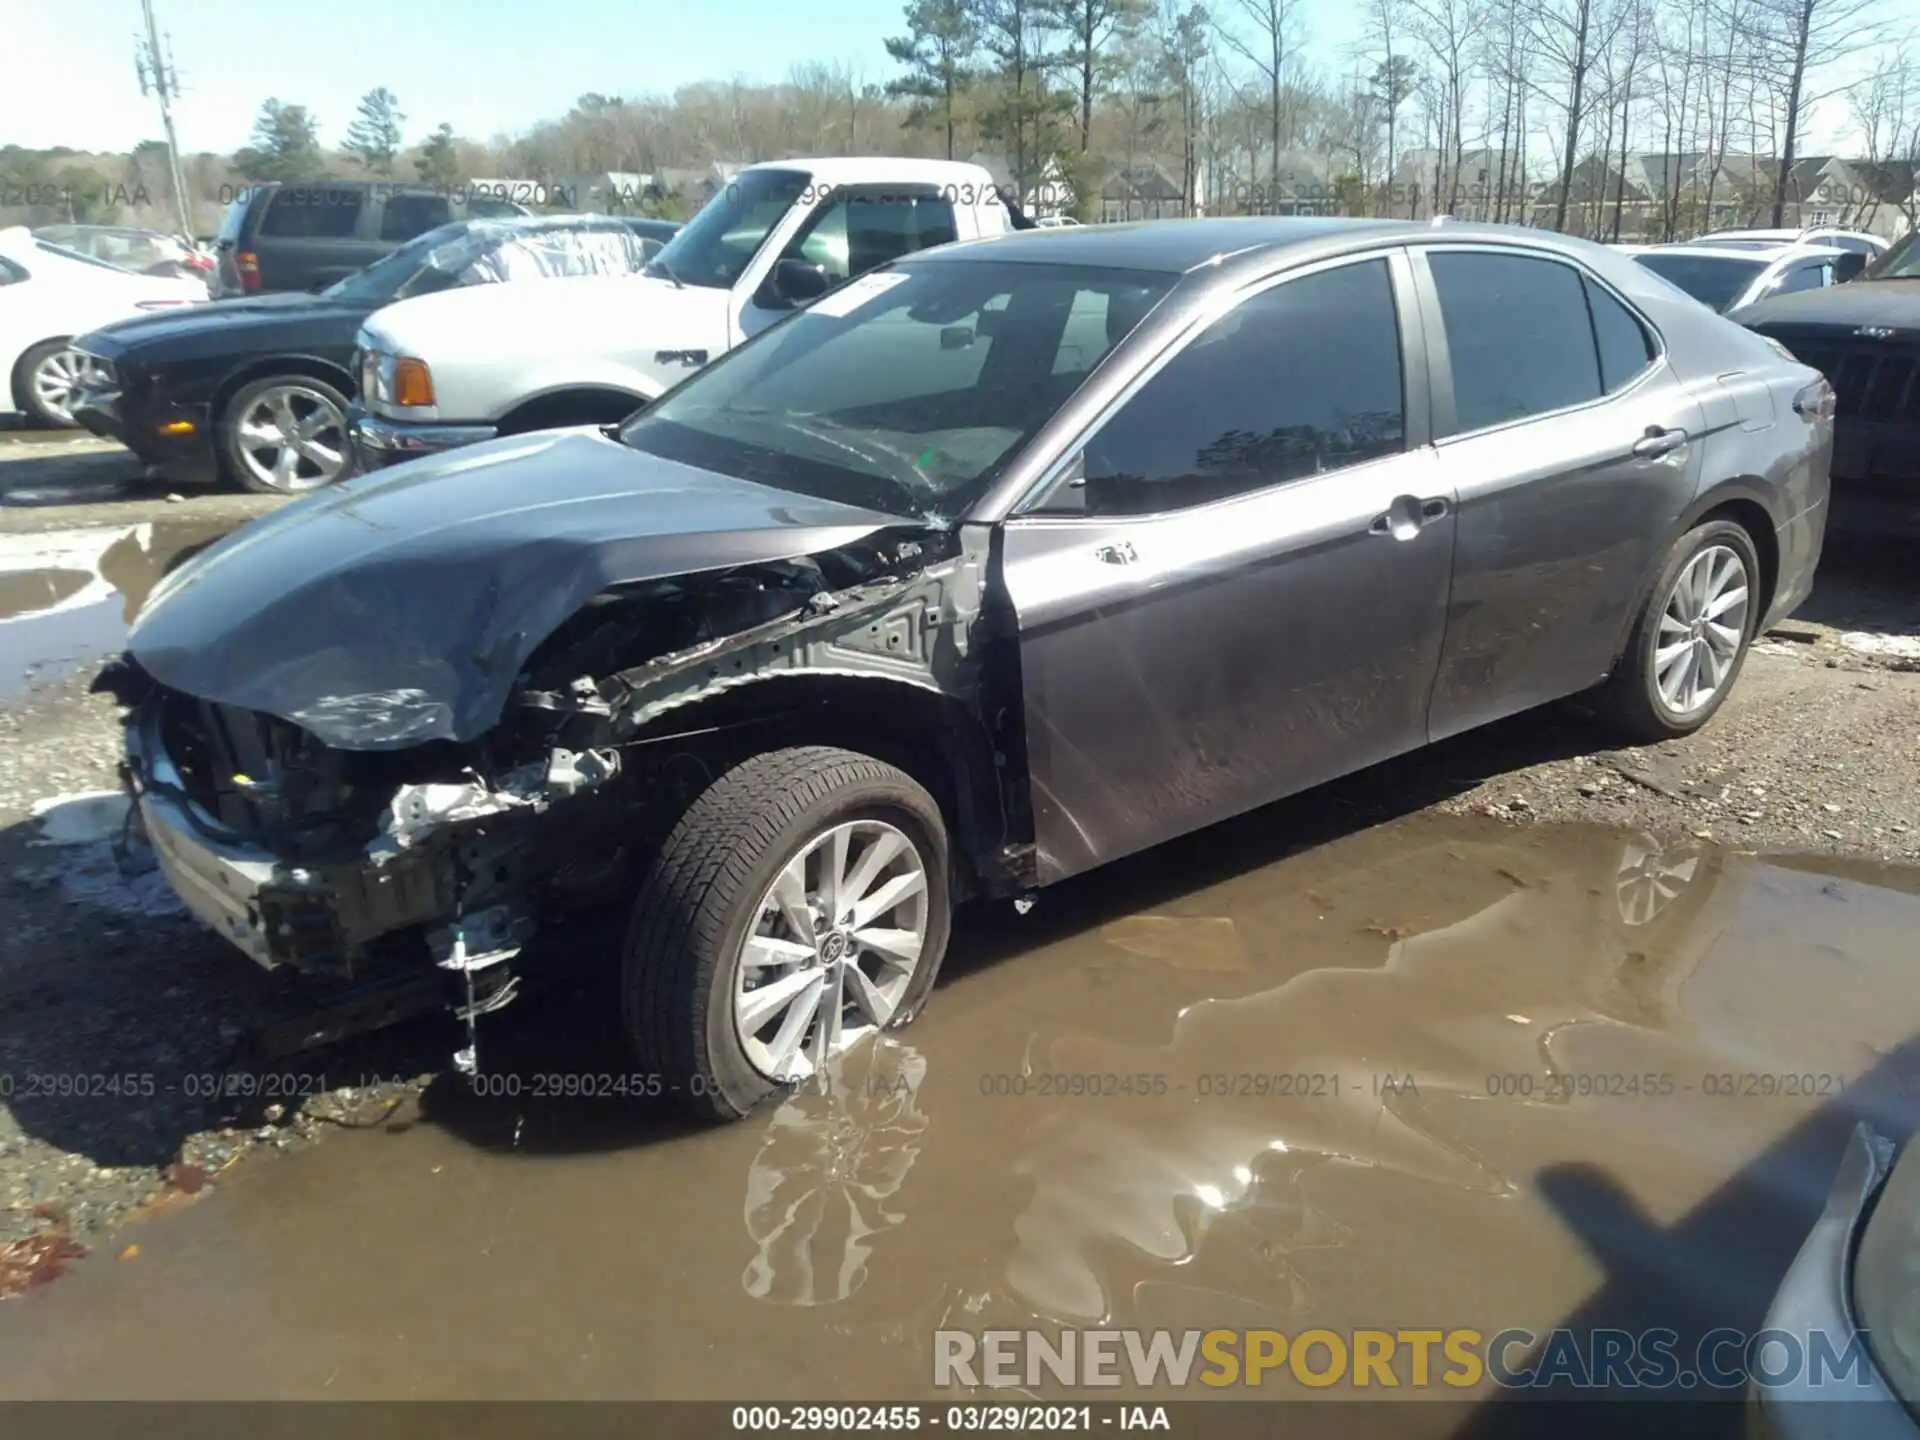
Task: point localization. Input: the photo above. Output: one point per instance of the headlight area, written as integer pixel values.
(399, 386)
(1886, 1279)
(434, 864)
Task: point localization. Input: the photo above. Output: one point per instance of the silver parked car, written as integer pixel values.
(996, 564)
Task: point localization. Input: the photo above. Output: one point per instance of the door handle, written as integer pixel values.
(1657, 442)
(1119, 553)
(1408, 516)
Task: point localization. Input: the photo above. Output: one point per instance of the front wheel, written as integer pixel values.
(285, 435)
(799, 907)
(1691, 638)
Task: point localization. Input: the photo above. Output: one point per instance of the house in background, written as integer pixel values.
(611, 192)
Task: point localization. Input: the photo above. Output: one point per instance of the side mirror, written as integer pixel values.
(793, 283)
(1847, 266)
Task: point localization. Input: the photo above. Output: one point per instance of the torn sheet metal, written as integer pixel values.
(916, 630)
(416, 812)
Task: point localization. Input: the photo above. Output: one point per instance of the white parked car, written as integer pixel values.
(48, 295)
(1724, 279)
(1871, 246)
(456, 368)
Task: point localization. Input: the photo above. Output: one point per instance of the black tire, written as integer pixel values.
(234, 463)
(23, 391)
(1630, 700)
(703, 891)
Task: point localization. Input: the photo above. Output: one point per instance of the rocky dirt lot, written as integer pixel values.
(130, 1039)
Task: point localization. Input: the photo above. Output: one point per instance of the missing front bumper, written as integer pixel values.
(316, 919)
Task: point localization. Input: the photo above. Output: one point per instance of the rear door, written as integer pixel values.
(313, 235)
(1572, 448)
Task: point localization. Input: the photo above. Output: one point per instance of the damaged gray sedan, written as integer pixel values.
(992, 566)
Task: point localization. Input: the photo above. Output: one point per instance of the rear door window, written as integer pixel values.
(409, 215)
(1626, 349)
(312, 213)
(1514, 324)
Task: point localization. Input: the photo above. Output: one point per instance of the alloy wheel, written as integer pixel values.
(1649, 878)
(1702, 627)
(292, 438)
(834, 944)
(57, 376)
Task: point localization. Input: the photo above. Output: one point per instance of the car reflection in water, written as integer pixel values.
(1373, 1172)
(823, 1188)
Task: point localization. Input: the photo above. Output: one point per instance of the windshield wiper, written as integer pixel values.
(666, 270)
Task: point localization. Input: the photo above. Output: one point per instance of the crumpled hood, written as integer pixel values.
(401, 606)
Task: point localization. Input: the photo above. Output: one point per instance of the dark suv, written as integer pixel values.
(305, 237)
(1865, 337)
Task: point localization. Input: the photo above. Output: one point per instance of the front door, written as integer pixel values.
(1239, 589)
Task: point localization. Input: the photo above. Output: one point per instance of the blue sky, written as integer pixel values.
(484, 66)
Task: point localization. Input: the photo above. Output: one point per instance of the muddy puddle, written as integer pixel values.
(67, 596)
(1433, 1073)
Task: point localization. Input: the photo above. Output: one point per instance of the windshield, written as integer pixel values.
(480, 253)
(716, 246)
(1714, 281)
(1902, 262)
(384, 279)
(80, 257)
(907, 390)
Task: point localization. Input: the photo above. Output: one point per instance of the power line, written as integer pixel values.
(153, 63)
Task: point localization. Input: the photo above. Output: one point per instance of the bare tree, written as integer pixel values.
(1799, 41)
(1276, 32)
(1568, 38)
(1886, 112)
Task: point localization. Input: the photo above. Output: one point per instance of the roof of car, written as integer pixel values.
(1170, 246)
(851, 169)
(1751, 257)
(1183, 246)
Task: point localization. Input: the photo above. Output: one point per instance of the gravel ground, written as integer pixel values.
(55, 480)
(125, 1029)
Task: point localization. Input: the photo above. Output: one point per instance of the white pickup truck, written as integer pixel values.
(463, 366)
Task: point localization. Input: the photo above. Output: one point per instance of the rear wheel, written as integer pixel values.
(799, 907)
(285, 435)
(1691, 638)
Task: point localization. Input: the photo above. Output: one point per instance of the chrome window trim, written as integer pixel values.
(1413, 386)
(1441, 355)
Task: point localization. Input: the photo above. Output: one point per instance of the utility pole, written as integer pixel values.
(159, 79)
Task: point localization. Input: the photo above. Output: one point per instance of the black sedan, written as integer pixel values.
(256, 389)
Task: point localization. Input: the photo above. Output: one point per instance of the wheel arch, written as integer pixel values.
(1743, 500)
(935, 737)
(536, 412)
(312, 367)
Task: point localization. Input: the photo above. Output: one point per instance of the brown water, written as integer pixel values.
(1449, 996)
(67, 596)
